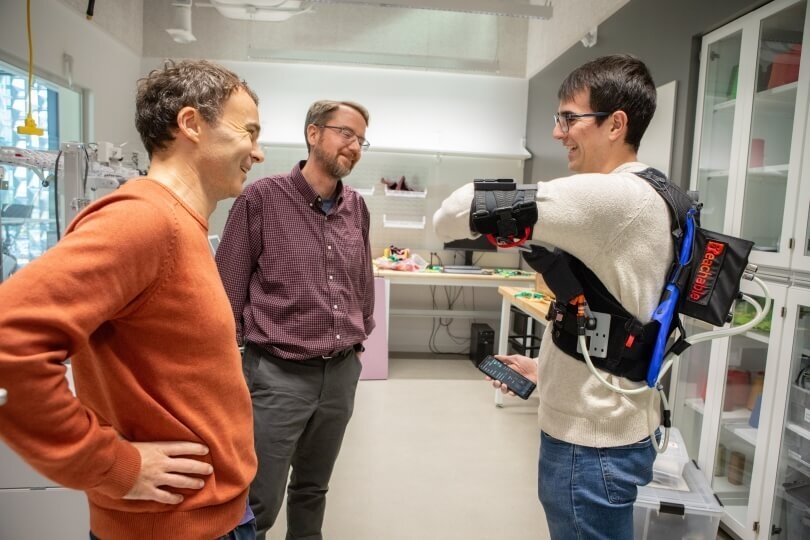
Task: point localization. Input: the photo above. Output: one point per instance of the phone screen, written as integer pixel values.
(513, 380)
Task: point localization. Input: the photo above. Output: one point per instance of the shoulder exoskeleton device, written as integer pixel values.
(703, 282)
(503, 211)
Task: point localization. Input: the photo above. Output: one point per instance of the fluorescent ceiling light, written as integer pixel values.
(261, 10)
(374, 58)
(281, 10)
(508, 8)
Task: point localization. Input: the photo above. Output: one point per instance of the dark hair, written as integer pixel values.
(321, 112)
(616, 82)
(200, 84)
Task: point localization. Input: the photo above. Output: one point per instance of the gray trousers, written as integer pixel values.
(300, 413)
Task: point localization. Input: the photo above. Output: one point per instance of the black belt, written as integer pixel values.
(332, 355)
(336, 354)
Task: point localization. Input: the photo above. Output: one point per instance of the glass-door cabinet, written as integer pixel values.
(737, 403)
(750, 128)
(788, 473)
(691, 371)
(720, 114)
(801, 252)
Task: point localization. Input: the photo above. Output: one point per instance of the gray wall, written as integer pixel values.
(665, 34)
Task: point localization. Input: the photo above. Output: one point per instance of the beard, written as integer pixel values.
(330, 163)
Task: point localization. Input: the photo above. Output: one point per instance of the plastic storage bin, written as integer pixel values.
(668, 466)
(668, 514)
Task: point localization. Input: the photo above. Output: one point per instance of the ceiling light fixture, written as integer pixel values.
(180, 28)
(261, 10)
(507, 8)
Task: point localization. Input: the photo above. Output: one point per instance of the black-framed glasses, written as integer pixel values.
(563, 119)
(349, 135)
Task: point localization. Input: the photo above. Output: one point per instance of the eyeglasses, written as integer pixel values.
(349, 136)
(564, 119)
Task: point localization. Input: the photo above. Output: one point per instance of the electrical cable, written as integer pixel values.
(438, 323)
(30, 54)
(56, 194)
(29, 127)
(761, 312)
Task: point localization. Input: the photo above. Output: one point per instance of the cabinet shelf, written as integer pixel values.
(756, 336)
(733, 420)
(365, 192)
(722, 486)
(798, 430)
(714, 173)
(696, 404)
(799, 503)
(393, 223)
(797, 462)
(406, 194)
(784, 95)
(743, 432)
(735, 416)
(769, 172)
(727, 105)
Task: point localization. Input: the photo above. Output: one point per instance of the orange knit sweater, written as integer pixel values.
(132, 295)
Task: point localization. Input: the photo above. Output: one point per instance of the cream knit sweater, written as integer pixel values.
(619, 227)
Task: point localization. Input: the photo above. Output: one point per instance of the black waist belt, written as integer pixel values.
(336, 354)
(629, 348)
(329, 356)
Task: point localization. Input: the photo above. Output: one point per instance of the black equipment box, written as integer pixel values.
(482, 342)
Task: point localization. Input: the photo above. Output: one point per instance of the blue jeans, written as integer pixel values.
(246, 531)
(588, 493)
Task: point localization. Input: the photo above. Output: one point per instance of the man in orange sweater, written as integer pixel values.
(160, 435)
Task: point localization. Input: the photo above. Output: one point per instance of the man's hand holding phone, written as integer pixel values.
(514, 374)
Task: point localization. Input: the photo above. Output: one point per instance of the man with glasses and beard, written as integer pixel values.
(296, 264)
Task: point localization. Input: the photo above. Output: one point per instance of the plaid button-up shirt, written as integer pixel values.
(300, 281)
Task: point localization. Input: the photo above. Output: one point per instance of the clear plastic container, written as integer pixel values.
(661, 513)
(668, 466)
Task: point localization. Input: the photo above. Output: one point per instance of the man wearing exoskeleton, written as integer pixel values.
(629, 259)
(595, 445)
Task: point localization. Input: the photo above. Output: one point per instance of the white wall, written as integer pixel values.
(410, 109)
(100, 63)
(429, 111)
(572, 19)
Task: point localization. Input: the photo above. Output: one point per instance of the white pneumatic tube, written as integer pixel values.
(762, 311)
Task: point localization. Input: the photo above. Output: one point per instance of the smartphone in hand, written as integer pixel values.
(513, 380)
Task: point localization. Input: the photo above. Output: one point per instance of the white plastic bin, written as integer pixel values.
(668, 466)
(668, 514)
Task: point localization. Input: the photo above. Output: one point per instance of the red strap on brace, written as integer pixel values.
(512, 242)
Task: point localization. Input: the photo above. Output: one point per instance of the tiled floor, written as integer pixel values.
(428, 456)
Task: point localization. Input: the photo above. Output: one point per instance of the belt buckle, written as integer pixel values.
(336, 354)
